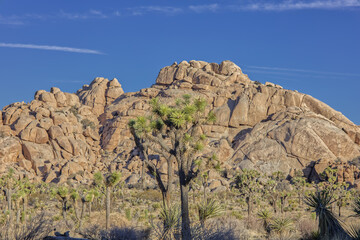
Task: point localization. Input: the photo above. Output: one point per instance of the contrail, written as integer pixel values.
(278, 69)
(51, 48)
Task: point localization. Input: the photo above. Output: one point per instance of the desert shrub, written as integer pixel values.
(237, 214)
(149, 194)
(86, 122)
(39, 227)
(307, 228)
(115, 233)
(226, 228)
(128, 214)
(257, 83)
(74, 110)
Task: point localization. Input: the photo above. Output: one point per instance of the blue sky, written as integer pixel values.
(310, 45)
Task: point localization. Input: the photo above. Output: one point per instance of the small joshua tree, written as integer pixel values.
(300, 185)
(7, 183)
(248, 185)
(62, 193)
(105, 184)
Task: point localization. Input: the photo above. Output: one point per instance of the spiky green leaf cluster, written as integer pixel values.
(178, 118)
(113, 179)
(209, 209)
(98, 178)
(280, 225)
(329, 225)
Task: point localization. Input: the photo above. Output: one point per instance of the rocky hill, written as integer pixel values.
(61, 137)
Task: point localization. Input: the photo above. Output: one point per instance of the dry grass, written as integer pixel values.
(39, 227)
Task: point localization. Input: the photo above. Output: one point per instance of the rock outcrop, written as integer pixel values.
(100, 94)
(61, 136)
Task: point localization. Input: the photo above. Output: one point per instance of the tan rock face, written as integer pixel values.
(258, 126)
(294, 138)
(100, 94)
(10, 149)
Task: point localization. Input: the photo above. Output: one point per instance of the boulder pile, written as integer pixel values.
(61, 137)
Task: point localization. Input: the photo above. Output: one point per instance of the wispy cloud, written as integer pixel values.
(51, 48)
(298, 5)
(86, 15)
(67, 81)
(141, 10)
(299, 71)
(204, 8)
(10, 20)
(244, 5)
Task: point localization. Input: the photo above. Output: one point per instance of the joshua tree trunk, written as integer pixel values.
(142, 179)
(185, 225)
(205, 197)
(24, 209)
(89, 209)
(107, 207)
(249, 203)
(82, 213)
(170, 180)
(18, 213)
(64, 208)
(339, 210)
(274, 200)
(8, 198)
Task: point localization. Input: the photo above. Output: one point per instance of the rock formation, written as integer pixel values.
(61, 136)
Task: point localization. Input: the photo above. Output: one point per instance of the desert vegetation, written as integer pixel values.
(181, 205)
(254, 207)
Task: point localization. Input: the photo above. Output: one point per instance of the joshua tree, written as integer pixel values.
(343, 196)
(62, 193)
(9, 185)
(248, 185)
(331, 184)
(300, 185)
(174, 132)
(105, 184)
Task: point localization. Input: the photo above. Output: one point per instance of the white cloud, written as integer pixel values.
(204, 8)
(87, 15)
(117, 13)
(299, 5)
(138, 11)
(11, 20)
(51, 48)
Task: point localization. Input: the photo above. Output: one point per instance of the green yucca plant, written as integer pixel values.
(170, 217)
(329, 225)
(265, 216)
(356, 207)
(354, 232)
(281, 225)
(209, 209)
